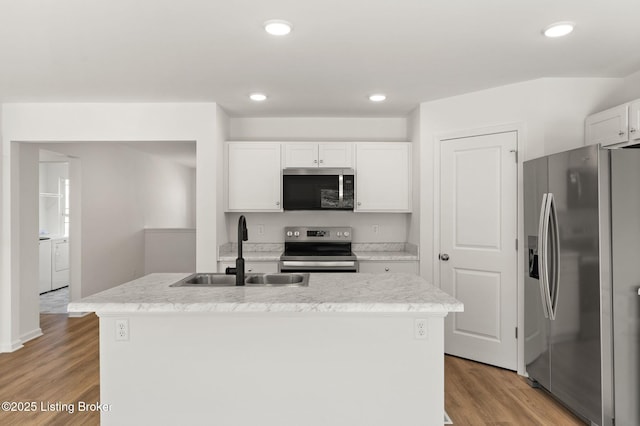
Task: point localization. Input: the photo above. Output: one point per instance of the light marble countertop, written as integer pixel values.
(385, 255)
(327, 292)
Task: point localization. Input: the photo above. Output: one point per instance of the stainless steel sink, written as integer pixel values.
(288, 280)
(207, 280)
(218, 279)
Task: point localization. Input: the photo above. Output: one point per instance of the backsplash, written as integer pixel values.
(269, 227)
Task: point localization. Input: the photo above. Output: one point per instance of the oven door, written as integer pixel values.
(318, 266)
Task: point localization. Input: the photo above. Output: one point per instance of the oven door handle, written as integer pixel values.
(340, 190)
(316, 264)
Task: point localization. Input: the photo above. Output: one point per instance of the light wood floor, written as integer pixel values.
(63, 366)
(478, 394)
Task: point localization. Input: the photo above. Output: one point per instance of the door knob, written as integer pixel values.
(444, 257)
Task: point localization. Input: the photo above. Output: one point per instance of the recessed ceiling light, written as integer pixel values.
(559, 29)
(378, 97)
(258, 97)
(277, 27)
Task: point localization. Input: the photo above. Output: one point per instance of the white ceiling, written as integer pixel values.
(339, 51)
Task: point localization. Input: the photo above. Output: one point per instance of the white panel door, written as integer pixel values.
(254, 176)
(478, 259)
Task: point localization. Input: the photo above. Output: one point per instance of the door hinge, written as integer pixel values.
(516, 332)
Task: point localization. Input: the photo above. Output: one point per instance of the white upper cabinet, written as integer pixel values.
(335, 155)
(311, 154)
(614, 127)
(383, 177)
(254, 176)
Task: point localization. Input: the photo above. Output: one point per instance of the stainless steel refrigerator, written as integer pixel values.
(582, 309)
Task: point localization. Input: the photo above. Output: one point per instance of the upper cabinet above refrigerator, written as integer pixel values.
(616, 127)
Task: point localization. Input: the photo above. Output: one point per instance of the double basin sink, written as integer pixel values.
(251, 280)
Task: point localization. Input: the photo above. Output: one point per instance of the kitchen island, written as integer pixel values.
(349, 349)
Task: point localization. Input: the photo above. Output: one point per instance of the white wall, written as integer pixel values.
(169, 250)
(413, 127)
(393, 227)
(318, 128)
(167, 192)
(222, 134)
(104, 122)
(25, 191)
(9, 339)
(627, 90)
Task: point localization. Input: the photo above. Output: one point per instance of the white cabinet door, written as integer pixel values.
(301, 154)
(383, 181)
(382, 266)
(254, 176)
(335, 155)
(311, 154)
(608, 127)
(634, 121)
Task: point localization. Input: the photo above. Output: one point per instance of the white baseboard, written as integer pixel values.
(78, 314)
(31, 335)
(11, 347)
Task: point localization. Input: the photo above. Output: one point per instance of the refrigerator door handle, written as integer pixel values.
(555, 259)
(545, 257)
(542, 256)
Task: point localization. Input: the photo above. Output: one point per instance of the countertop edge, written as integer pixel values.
(432, 308)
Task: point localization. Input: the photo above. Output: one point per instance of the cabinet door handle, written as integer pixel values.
(444, 257)
(632, 130)
(315, 161)
(277, 203)
(359, 203)
(386, 269)
(321, 161)
(621, 133)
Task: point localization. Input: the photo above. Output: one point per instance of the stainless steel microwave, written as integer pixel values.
(318, 189)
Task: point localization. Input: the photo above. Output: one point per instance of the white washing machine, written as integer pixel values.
(45, 265)
(60, 263)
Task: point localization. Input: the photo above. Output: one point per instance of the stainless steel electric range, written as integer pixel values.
(318, 249)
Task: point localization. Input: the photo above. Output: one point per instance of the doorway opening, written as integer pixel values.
(54, 225)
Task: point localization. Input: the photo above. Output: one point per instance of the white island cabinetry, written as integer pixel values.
(342, 351)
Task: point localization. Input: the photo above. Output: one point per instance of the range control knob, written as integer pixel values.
(339, 234)
(296, 234)
(345, 233)
(289, 233)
